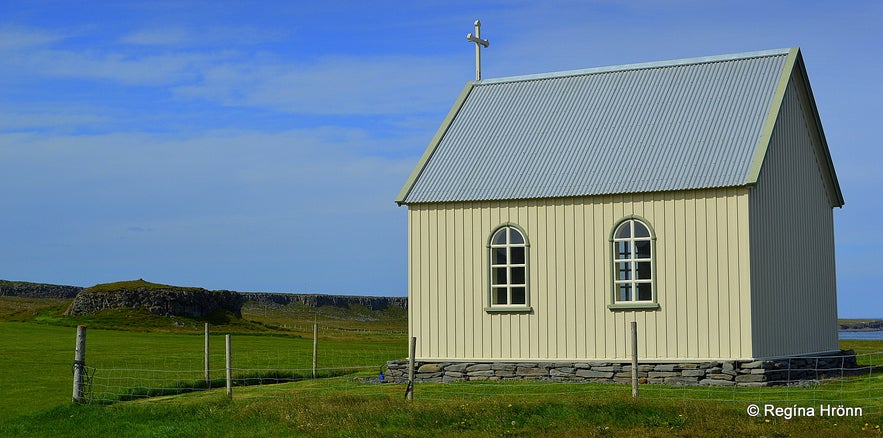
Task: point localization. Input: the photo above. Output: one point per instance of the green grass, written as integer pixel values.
(274, 345)
(23, 309)
(37, 360)
(36, 364)
(37, 342)
(868, 352)
(345, 406)
(355, 321)
(330, 408)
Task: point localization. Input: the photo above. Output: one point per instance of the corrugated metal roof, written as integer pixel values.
(685, 124)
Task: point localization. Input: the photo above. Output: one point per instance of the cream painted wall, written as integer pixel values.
(792, 239)
(702, 261)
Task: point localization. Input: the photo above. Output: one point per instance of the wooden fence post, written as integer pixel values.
(315, 347)
(208, 377)
(80, 365)
(634, 359)
(229, 370)
(409, 391)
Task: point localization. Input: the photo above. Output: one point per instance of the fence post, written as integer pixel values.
(634, 359)
(208, 377)
(409, 392)
(229, 369)
(315, 346)
(80, 365)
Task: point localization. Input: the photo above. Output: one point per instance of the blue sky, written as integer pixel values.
(259, 146)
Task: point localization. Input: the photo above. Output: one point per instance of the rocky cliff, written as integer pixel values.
(157, 299)
(196, 302)
(37, 290)
(318, 300)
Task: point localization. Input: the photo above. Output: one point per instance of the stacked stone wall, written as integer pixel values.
(794, 370)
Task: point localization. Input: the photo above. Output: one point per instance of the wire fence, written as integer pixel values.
(178, 374)
(115, 384)
(860, 395)
(145, 366)
(282, 367)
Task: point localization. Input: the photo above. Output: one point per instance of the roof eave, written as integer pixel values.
(636, 66)
(766, 133)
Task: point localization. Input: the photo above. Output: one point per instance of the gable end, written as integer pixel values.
(794, 71)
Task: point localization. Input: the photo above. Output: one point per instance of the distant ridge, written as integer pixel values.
(861, 326)
(319, 300)
(37, 290)
(41, 290)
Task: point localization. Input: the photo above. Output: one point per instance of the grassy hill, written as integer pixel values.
(256, 317)
(134, 285)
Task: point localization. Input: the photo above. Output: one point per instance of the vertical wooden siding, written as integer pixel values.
(792, 240)
(701, 274)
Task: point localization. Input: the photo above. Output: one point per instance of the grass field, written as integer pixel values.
(42, 355)
(37, 345)
(330, 407)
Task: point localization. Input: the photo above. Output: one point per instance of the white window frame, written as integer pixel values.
(492, 247)
(632, 259)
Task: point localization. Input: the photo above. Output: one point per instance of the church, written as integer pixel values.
(694, 197)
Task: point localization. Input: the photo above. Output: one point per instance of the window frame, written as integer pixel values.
(491, 246)
(633, 259)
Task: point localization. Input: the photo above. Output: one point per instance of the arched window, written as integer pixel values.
(508, 269)
(633, 263)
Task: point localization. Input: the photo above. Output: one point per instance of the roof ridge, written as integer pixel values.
(635, 66)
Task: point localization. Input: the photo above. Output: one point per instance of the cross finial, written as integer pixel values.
(478, 44)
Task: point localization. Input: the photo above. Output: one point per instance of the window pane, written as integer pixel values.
(645, 292)
(518, 296)
(517, 254)
(517, 276)
(623, 250)
(624, 271)
(499, 296)
(515, 237)
(644, 271)
(642, 249)
(624, 231)
(625, 292)
(641, 230)
(499, 276)
(499, 256)
(499, 237)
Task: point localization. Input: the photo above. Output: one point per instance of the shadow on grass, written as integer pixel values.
(254, 378)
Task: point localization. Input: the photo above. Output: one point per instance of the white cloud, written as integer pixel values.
(158, 37)
(209, 174)
(13, 38)
(333, 85)
(20, 119)
(200, 37)
(328, 85)
(128, 69)
(35, 53)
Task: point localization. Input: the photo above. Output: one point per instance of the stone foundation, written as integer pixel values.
(784, 371)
